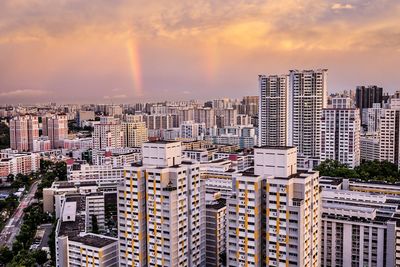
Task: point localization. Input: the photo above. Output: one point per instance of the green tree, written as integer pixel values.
(6, 255)
(40, 256)
(10, 178)
(52, 241)
(4, 136)
(367, 171)
(336, 169)
(17, 246)
(23, 258)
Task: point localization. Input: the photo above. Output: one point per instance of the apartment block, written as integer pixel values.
(23, 131)
(389, 136)
(369, 147)
(56, 128)
(74, 246)
(360, 223)
(135, 133)
(307, 98)
(108, 134)
(92, 251)
(192, 130)
(216, 232)
(340, 135)
(170, 228)
(273, 114)
(15, 163)
(273, 213)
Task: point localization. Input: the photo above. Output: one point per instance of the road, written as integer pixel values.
(13, 225)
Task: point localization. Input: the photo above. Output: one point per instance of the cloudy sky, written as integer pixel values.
(129, 51)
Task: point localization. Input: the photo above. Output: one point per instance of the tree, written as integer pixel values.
(4, 136)
(17, 246)
(10, 178)
(95, 225)
(52, 241)
(368, 171)
(23, 258)
(6, 255)
(336, 169)
(60, 170)
(40, 256)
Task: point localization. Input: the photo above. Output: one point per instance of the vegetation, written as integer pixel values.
(52, 242)
(49, 172)
(20, 254)
(7, 208)
(4, 136)
(367, 171)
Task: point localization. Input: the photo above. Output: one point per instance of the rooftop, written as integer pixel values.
(74, 228)
(275, 147)
(93, 240)
(217, 204)
(161, 142)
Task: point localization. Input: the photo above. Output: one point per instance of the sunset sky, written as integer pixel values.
(103, 51)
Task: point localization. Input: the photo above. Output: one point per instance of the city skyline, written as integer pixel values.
(126, 52)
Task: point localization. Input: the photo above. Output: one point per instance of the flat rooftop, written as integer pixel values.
(74, 228)
(217, 204)
(275, 147)
(161, 142)
(93, 240)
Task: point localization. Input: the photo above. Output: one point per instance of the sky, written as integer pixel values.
(120, 51)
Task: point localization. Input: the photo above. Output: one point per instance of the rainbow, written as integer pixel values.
(134, 61)
(211, 62)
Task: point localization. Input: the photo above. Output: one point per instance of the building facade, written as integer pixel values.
(307, 98)
(273, 113)
(24, 130)
(56, 128)
(159, 210)
(340, 135)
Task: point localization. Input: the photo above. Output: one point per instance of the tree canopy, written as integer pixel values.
(368, 171)
(4, 136)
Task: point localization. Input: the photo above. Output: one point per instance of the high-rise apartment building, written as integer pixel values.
(340, 134)
(389, 136)
(307, 98)
(158, 121)
(227, 117)
(216, 233)
(114, 110)
(371, 118)
(206, 115)
(135, 133)
(273, 214)
(159, 210)
(273, 114)
(56, 128)
(366, 96)
(84, 115)
(192, 130)
(250, 105)
(108, 134)
(24, 130)
(369, 147)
